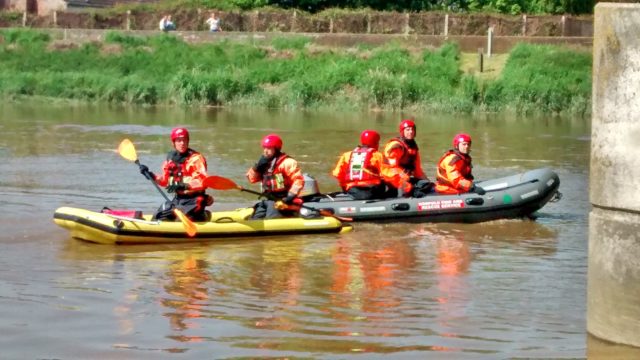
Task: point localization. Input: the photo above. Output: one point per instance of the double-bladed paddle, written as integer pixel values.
(222, 183)
(128, 151)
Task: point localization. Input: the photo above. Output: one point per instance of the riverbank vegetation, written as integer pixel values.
(289, 73)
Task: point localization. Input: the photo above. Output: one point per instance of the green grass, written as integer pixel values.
(288, 73)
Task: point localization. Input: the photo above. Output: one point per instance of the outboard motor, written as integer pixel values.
(310, 187)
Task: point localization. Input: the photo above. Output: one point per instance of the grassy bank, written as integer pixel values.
(289, 73)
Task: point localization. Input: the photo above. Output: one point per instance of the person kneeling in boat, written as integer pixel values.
(403, 168)
(183, 173)
(358, 171)
(281, 180)
(454, 169)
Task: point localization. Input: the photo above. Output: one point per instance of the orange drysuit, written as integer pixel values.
(454, 173)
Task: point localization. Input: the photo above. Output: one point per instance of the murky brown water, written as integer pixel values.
(507, 289)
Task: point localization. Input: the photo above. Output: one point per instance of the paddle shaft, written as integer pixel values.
(156, 185)
(271, 197)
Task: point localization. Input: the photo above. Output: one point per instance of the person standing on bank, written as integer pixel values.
(454, 169)
(403, 167)
(183, 173)
(358, 171)
(214, 23)
(166, 24)
(280, 176)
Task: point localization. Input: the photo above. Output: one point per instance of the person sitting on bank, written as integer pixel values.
(166, 24)
(454, 169)
(281, 179)
(183, 173)
(214, 23)
(358, 170)
(403, 168)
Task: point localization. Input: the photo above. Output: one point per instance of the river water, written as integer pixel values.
(504, 289)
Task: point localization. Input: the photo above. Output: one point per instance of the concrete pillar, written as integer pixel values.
(613, 291)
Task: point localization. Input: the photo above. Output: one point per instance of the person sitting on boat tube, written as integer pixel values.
(183, 173)
(281, 179)
(358, 170)
(454, 169)
(403, 168)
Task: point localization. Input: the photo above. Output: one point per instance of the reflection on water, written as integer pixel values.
(504, 289)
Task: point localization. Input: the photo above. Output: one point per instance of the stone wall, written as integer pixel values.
(501, 44)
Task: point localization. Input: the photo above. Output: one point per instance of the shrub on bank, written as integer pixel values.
(289, 74)
(543, 77)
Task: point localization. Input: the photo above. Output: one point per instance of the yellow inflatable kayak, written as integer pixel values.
(106, 228)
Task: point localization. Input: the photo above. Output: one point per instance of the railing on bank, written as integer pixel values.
(424, 23)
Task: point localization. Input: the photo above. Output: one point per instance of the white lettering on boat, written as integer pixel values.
(347, 210)
(440, 204)
(529, 194)
(372, 209)
(550, 182)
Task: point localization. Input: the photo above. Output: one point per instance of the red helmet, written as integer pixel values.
(370, 138)
(272, 140)
(178, 133)
(405, 124)
(462, 137)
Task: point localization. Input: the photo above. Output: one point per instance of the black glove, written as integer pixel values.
(262, 164)
(289, 199)
(144, 170)
(477, 189)
(177, 187)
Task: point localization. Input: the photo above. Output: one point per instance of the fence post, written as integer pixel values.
(24, 19)
(446, 24)
(368, 23)
(55, 18)
(489, 40)
(563, 21)
(128, 26)
(406, 23)
(524, 25)
(480, 59)
(293, 21)
(331, 25)
(255, 20)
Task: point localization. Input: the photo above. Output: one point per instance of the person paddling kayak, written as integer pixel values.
(280, 176)
(183, 173)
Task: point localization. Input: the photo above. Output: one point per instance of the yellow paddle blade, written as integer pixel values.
(127, 150)
(189, 226)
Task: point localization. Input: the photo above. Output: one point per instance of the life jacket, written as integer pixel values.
(464, 168)
(176, 166)
(361, 170)
(274, 180)
(410, 153)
